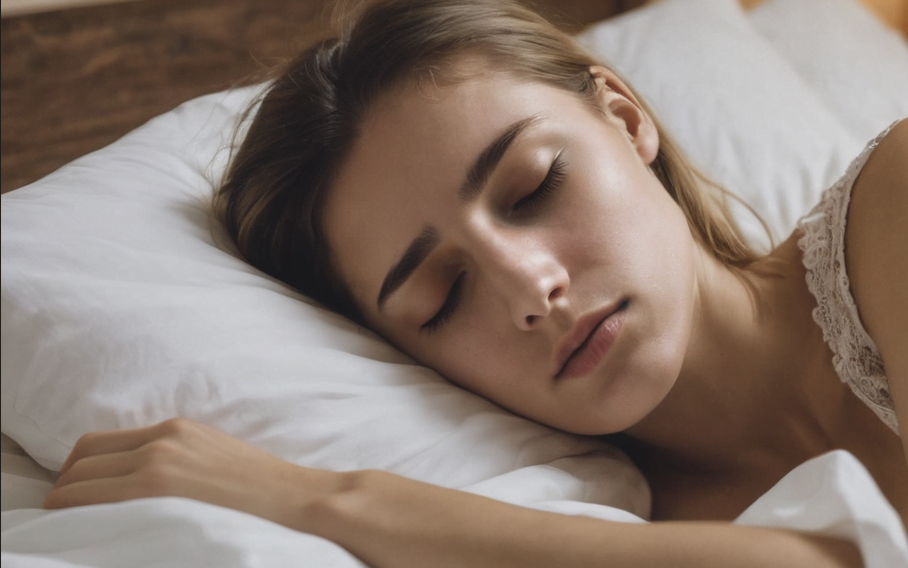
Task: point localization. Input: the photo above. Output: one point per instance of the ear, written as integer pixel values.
(624, 111)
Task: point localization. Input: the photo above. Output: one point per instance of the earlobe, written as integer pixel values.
(621, 106)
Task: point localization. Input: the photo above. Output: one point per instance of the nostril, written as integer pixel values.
(557, 291)
(530, 320)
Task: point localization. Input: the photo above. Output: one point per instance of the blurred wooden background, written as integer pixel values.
(73, 81)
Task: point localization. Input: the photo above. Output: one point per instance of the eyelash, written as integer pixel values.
(552, 180)
(447, 309)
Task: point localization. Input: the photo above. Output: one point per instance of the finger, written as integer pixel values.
(109, 442)
(99, 466)
(97, 491)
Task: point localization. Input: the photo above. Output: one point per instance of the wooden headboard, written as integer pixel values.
(75, 80)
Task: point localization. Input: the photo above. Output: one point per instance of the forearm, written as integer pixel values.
(390, 522)
(393, 522)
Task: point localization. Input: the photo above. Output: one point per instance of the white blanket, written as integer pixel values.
(832, 494)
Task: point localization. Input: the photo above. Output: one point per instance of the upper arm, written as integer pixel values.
(876, 253)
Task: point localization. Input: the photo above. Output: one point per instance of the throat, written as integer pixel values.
(756, 397)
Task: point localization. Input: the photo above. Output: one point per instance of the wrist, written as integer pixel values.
(306, 498)
(335, 501)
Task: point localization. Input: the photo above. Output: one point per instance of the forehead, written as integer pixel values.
(415, 146)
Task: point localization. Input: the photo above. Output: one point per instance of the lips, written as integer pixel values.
(588, 342)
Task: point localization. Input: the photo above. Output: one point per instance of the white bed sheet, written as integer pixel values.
(832, 494)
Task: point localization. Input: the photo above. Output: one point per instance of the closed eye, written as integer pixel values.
(553, 179)
(448, 307)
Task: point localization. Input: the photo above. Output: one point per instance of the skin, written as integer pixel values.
(702, 355)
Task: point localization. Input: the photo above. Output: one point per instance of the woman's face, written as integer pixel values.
(513, 238)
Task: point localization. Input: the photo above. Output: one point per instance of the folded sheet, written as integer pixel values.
(24, 483)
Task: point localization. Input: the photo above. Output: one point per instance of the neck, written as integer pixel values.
(742, 398)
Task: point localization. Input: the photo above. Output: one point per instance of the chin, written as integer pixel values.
(628, 401)
(641, 389)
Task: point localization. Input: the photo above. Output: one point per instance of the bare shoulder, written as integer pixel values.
(876, 255)
(877, 229)
(885, 175)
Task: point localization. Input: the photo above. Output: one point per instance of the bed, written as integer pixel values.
(124, 305)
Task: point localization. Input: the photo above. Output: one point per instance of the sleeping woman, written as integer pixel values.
(465, 180)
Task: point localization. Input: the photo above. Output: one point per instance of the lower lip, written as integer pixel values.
(585, 361)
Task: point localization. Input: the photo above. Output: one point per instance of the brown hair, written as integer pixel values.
(273, 195)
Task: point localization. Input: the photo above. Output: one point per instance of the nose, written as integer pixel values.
(527, 275)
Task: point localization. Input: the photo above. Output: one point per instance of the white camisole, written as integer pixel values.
(855, 356)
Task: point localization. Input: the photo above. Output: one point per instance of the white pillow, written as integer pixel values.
(123, 306)
(743, 115)
(857, 64)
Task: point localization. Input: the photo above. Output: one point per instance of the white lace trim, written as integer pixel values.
(855, 356)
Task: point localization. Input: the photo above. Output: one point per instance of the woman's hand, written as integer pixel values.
(181, 458)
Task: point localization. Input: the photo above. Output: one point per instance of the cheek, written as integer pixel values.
(609, 208)
(483, 356)
(649, 229)
(482, 359)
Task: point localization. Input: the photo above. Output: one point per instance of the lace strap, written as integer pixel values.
(856, 357)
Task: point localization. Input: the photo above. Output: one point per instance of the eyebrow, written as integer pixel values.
(477, 176)
(488, 159)
(418, 250)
